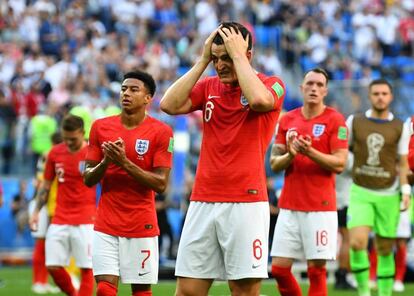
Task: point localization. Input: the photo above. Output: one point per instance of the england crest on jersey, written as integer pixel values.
(318, 130)
(141, 146)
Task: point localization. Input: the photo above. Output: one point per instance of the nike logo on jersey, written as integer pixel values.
(255, 266)
(213, 97)
(143, 273)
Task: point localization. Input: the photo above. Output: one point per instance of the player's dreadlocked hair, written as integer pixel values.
(238, 28)
(144, 77)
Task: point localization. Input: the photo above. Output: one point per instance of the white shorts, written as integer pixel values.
(134, 260)
(305, 235)
(62, 241)
(43, 220)
(226, 241)
(404, 226)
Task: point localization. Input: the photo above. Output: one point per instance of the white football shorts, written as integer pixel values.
(305, 235)
(62, 241)
(134, 260)
(227, 241)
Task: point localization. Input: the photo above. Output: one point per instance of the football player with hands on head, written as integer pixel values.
(240, 110)
(131, 155)
(311, 145)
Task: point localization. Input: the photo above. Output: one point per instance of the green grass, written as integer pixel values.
(17, 282)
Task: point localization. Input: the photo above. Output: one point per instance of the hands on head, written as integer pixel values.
(233, 40)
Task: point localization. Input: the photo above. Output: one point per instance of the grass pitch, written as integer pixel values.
(16, 281)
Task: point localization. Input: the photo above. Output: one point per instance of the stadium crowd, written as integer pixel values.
(58, 54)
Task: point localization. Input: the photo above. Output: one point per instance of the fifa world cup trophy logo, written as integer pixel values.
(375, 142)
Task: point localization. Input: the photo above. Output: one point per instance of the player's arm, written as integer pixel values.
(281, 157)
(403, 165)
(157, 179)
(95, 171)
(257, 94)
(334, 162)
(405, 187)
(176, 99)
(42, 196)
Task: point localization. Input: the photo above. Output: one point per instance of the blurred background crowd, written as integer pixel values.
(59, 56)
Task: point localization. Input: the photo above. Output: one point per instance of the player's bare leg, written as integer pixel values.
(193, 287)
(245, 287)
(107, 285)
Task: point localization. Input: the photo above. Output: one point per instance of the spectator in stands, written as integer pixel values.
(379, 142)
(8, 120)
(240, 108)
(311, 146)
(19, 207)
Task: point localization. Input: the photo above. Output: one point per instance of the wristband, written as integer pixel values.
(406, 189)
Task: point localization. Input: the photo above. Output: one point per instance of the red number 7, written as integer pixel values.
(148, 252)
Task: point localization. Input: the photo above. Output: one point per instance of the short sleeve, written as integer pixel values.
(281, 131)
(165, 147)
(94, 152)
(197, 95)
(339, 134)
(49, 173)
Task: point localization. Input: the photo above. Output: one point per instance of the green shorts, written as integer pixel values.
(381, 212)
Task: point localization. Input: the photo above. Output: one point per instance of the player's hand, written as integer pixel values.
(206, 55)
(34, 220)
(115, 151)
(234, 42)
(405, 202)
(303, 144)
(291, 137)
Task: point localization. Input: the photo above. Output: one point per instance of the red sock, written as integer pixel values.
(39, 267)
(287, 284)
(86, 284)
(372, 255)
(106, 289)
(142, 293)
(62, 280)
(400, 262)
(317, 279)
